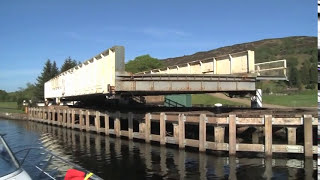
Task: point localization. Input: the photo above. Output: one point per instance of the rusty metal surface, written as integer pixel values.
(179, 83)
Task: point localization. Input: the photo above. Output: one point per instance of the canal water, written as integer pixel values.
(113, 158)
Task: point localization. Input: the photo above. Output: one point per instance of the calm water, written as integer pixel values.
(113, 158)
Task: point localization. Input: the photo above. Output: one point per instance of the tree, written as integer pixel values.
(294, 77)
(54, 69)
(143, 63)
(45, 76)
(68, 64)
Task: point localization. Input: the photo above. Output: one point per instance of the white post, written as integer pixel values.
(256, 101)
(230, 58)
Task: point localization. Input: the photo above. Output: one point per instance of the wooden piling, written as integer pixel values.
(68, 118)
(87, 120)
(181, 122)
(117, 124)
(292, 135)
(202, 132)
(106, 123)
(73, 118)
(147, 127)
(130, 125)
(307, 124)
(64, 117)
(81, 114)
(232, 134)
(163, 128)
(97, 122)
(268, 135)
(219, 134)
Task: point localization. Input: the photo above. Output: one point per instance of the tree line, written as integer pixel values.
(35, 92)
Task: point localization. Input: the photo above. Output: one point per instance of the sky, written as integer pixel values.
(35, 30)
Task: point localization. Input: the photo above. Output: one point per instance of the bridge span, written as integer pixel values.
(104, 75)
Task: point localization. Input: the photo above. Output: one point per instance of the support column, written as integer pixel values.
(307, 123)
(117, 127)
(176, 132)
(59, 117)
(268, 135)
(292, 135)
(73, 118)
(219, 134)
(202, 132)
(182, 119)
(49, 116)
(130, 125)
(147, 127)
(106, 123)
(81, 119)
(97, 122)
(87, 120)
(255, 137)
(163, 128)
(68, 118)
(232, 134)
(64, 117)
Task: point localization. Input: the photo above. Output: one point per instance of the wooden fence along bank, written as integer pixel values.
(138, 126)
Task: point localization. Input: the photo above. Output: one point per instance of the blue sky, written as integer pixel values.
(33, 31)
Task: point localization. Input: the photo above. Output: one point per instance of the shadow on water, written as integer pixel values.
(112, 158)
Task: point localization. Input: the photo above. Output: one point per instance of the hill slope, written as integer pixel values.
(295, 49)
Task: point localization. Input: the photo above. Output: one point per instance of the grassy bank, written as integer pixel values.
(10, 107)
(307, 98)
(206, 99)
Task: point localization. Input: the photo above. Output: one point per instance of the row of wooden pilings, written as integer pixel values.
(80, 119)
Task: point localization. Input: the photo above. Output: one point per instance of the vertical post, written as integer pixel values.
(219, 134)
(230, 59)
(307, 123)
(202, 132)
(117, 124)
(232, 134)
(176, 132)
(163, 128)
(87, 120)
(68, 118)
(182, 119)
(268, 134)
(285, 68)
(49, 116)
(130, 125)
(64, 117)
(97, 121)
(214, 66)
(255, 137)
(73, 118)
(59, 117)
(147, 127)
(292, 135)
(53, 115)
(106, 123)
(81, 119)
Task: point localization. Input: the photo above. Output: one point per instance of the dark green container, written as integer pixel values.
(181, 100)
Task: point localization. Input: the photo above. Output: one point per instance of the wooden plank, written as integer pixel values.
(97, 121)
(202, 133)
(68, 118)
(232, 134)
(124, 133)
(176, 131)
(130, 125)
(106, 123)
(250, 121)
(163, 128)
(250, 147)
(155, 137)
(218, 146)
(192, 142)
(292, 135)
(117, 124)
(287, 121)
(284, 148)
(218, 120)
(182, 119)
(268, 134)
(64, 118)
(147, 127)
(307, 124)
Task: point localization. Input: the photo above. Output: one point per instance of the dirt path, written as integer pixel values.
(244, 101)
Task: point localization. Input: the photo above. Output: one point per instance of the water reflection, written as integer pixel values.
(113, 158)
